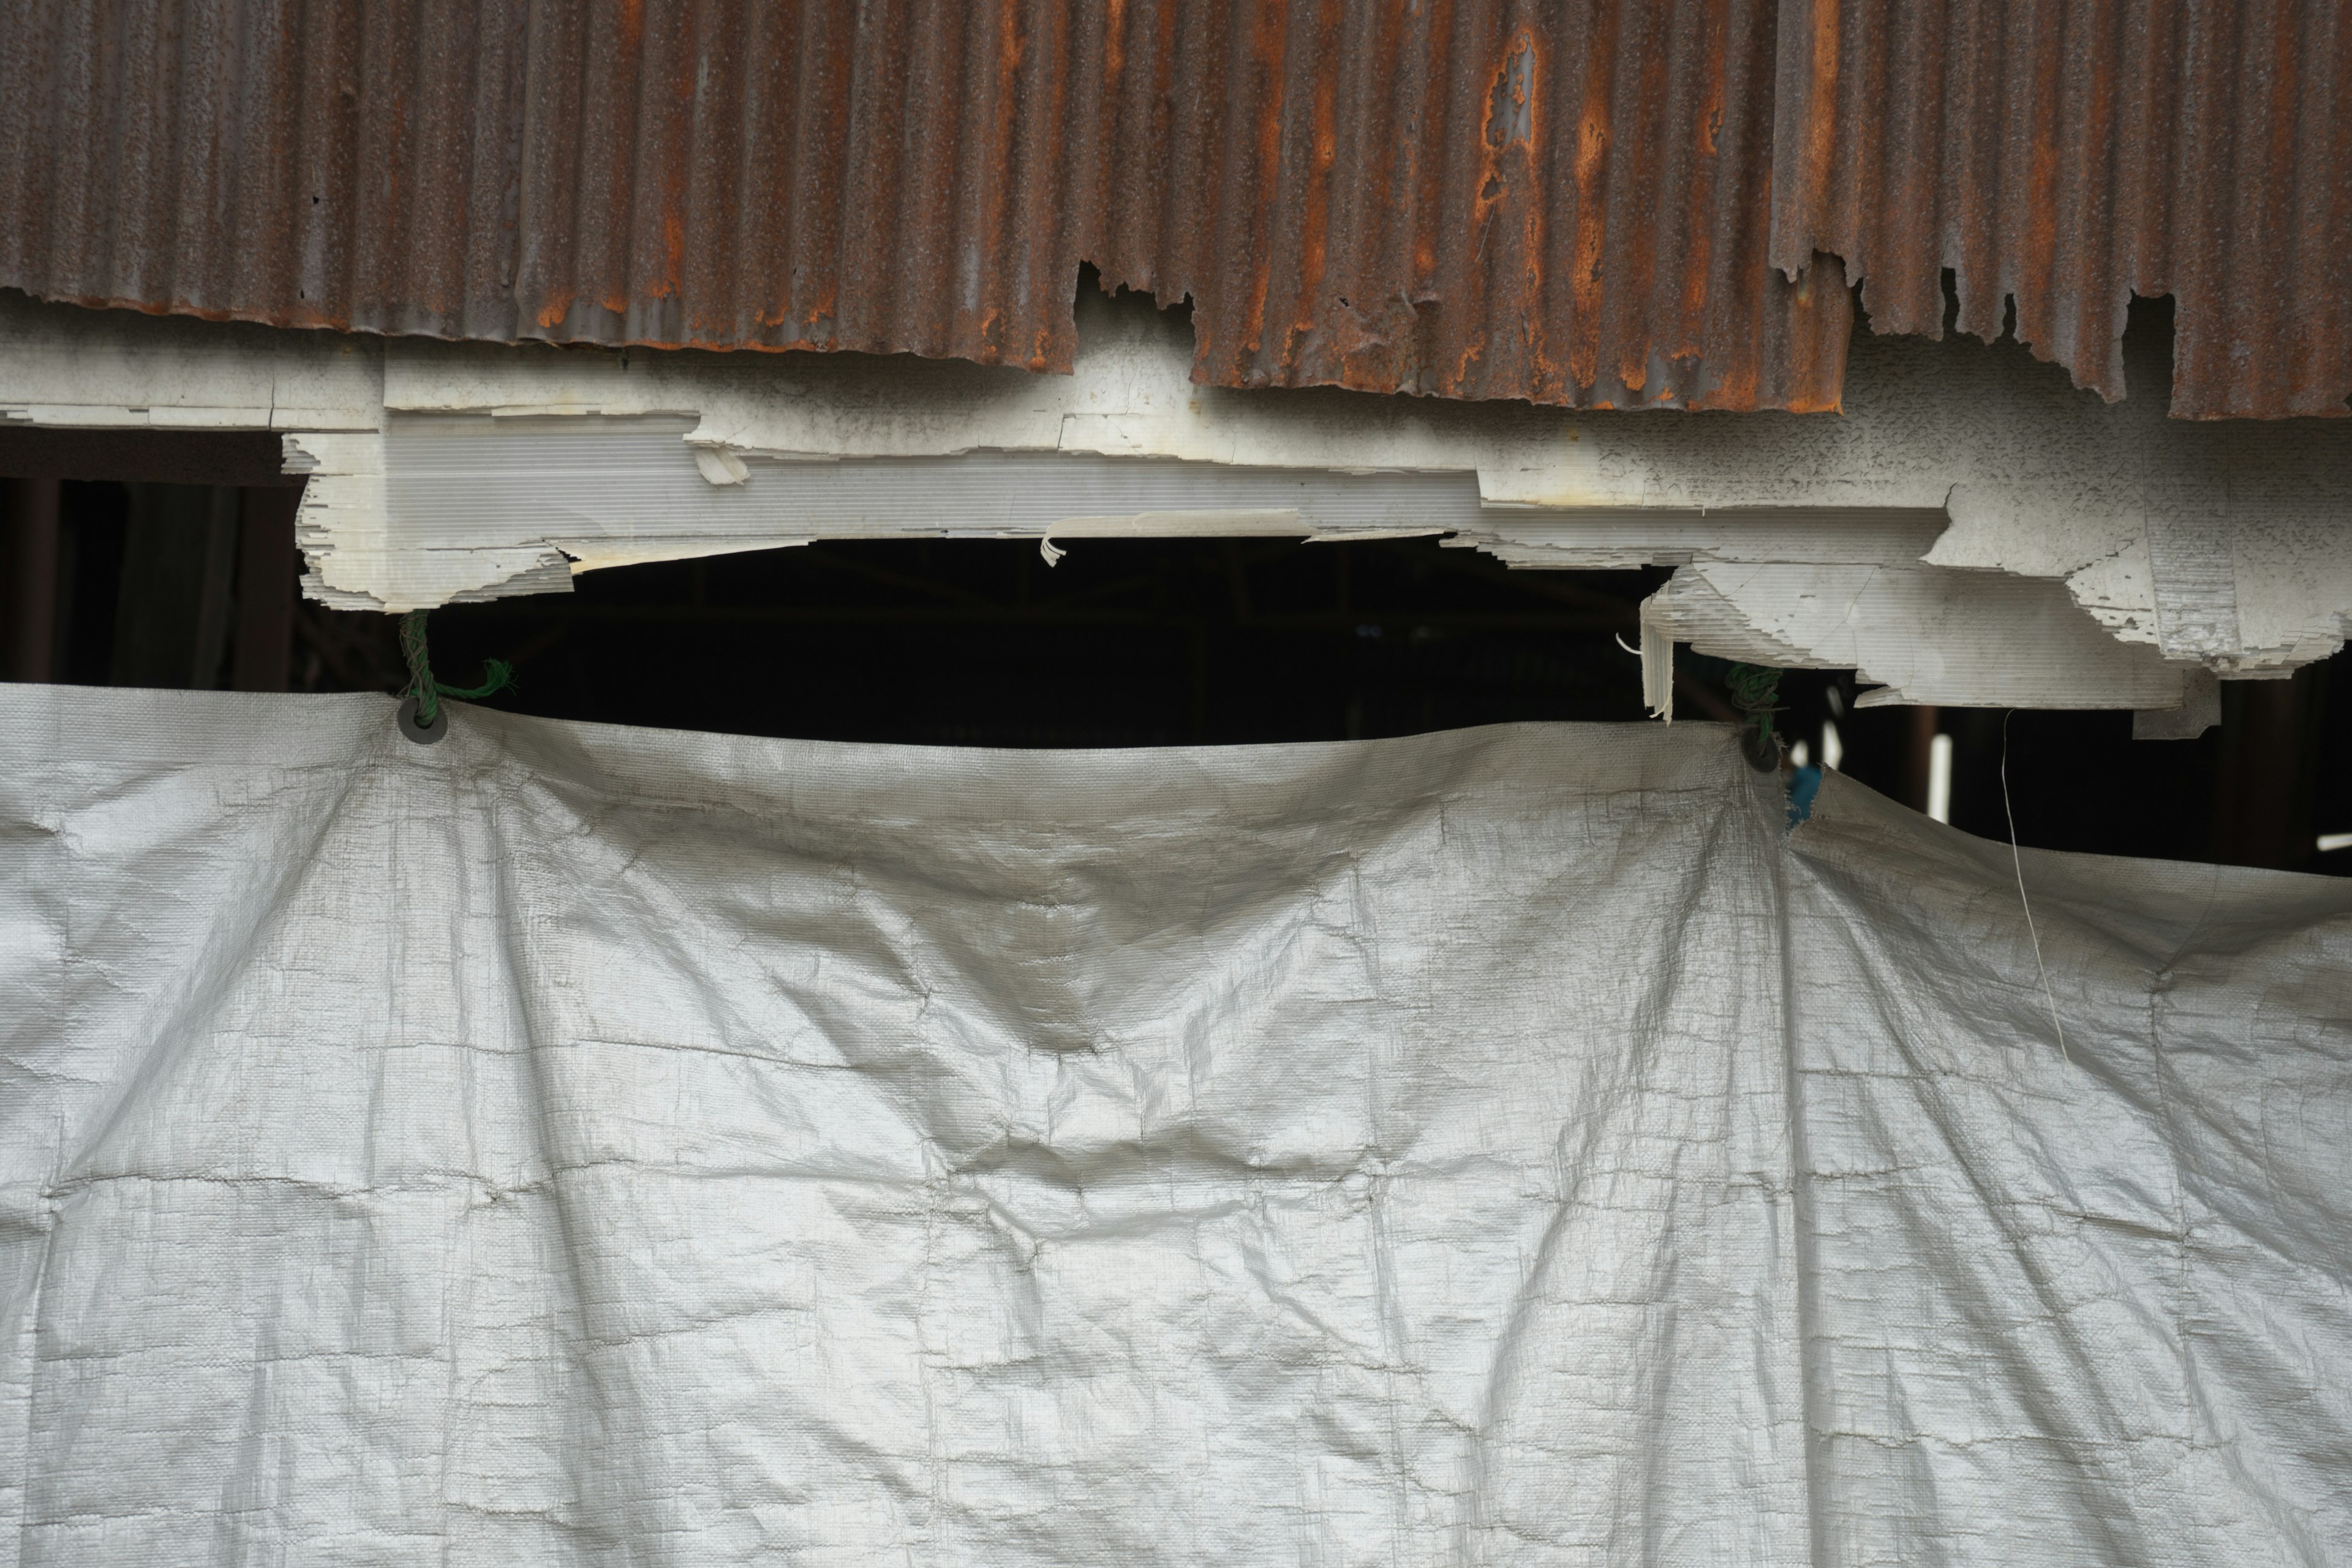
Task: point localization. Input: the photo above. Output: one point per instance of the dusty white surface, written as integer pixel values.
(1982, 639)
(445, 471)
(577, 1145)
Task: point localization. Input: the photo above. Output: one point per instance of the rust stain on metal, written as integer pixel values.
(1568, 202)
(2060, 156)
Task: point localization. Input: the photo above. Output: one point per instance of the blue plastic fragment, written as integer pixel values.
(1803, 785)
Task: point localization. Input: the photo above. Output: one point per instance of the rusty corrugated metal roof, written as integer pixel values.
(1558, 202)
(2070, 154)
(1570, 201)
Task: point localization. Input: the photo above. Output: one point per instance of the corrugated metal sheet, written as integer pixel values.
(1573, 201)
(2069, 154)
(1564, 200)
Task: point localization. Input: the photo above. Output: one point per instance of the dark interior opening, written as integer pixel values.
(1135, 642)
(1123, 643)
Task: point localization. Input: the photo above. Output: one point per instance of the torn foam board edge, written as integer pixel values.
(1835, 591)
(1855, 593)
(603, 486)
(1658, 661)
(1918, 634)
(1985, 465)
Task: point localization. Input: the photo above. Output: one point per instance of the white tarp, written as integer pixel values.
(569, 1144)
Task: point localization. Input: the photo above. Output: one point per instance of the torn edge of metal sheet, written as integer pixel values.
(1971, 530)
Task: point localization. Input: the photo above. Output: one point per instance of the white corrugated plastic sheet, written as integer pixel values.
(569, 1144)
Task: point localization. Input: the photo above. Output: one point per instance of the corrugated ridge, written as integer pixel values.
(1561, 202)
(2067, 154)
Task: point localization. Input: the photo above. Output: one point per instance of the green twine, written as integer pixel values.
(1756, 692)
(427, 691)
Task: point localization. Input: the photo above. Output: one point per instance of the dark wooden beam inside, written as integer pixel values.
(28, 578)
(2266, 783)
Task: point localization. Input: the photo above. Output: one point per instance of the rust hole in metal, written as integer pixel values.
(1510, 107)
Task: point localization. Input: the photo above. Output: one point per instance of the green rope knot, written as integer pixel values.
(1756, 692)
(428, 691)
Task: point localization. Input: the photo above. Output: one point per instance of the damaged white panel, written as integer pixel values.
(64, 366)
(602, 489)
(446, 471)
(1924, 634)
(1829, 590)
(1617, 540)
(1960, 457)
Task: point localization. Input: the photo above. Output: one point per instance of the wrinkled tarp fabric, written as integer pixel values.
(568, 1144)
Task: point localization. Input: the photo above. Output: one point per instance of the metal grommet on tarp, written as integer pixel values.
(422, 734)
(423, 719)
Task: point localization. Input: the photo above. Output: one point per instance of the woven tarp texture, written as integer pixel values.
(569, 1144)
